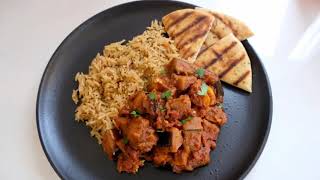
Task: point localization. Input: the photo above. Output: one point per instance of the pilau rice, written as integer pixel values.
(118, 73)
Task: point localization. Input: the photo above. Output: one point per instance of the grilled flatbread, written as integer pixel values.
(228, 59)
(189, 29)
(224, 25)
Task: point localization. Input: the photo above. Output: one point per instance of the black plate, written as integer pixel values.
(75, 155)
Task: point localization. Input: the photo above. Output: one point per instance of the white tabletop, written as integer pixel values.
(287, 38)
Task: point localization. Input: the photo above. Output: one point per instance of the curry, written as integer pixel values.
(175, 122)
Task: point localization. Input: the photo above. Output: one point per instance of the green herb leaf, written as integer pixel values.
(135, 113)
(125, 140)
(186, 120)
(166, 94)
(200, 72)
(220, 106)
(163, 71)
(152, 96)
(204, 89)
(162, 109)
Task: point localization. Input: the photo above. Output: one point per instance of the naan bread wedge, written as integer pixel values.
(189, 29)
(228, 59)
(224, 25)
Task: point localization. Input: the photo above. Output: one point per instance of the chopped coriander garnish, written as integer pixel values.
(125, 140)
(162, 109)
(166, 94)
(204, 89)
(200, 72)
(220, 106)
(186, 120)
(152, 96)
(135, 113)
(163, 71)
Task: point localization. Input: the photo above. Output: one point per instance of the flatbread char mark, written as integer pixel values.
(189, 29)
(228, 59)
(224, 25)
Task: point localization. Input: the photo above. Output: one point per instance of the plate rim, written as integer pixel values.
(86, 23)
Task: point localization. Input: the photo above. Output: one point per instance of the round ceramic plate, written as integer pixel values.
(75, 155)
